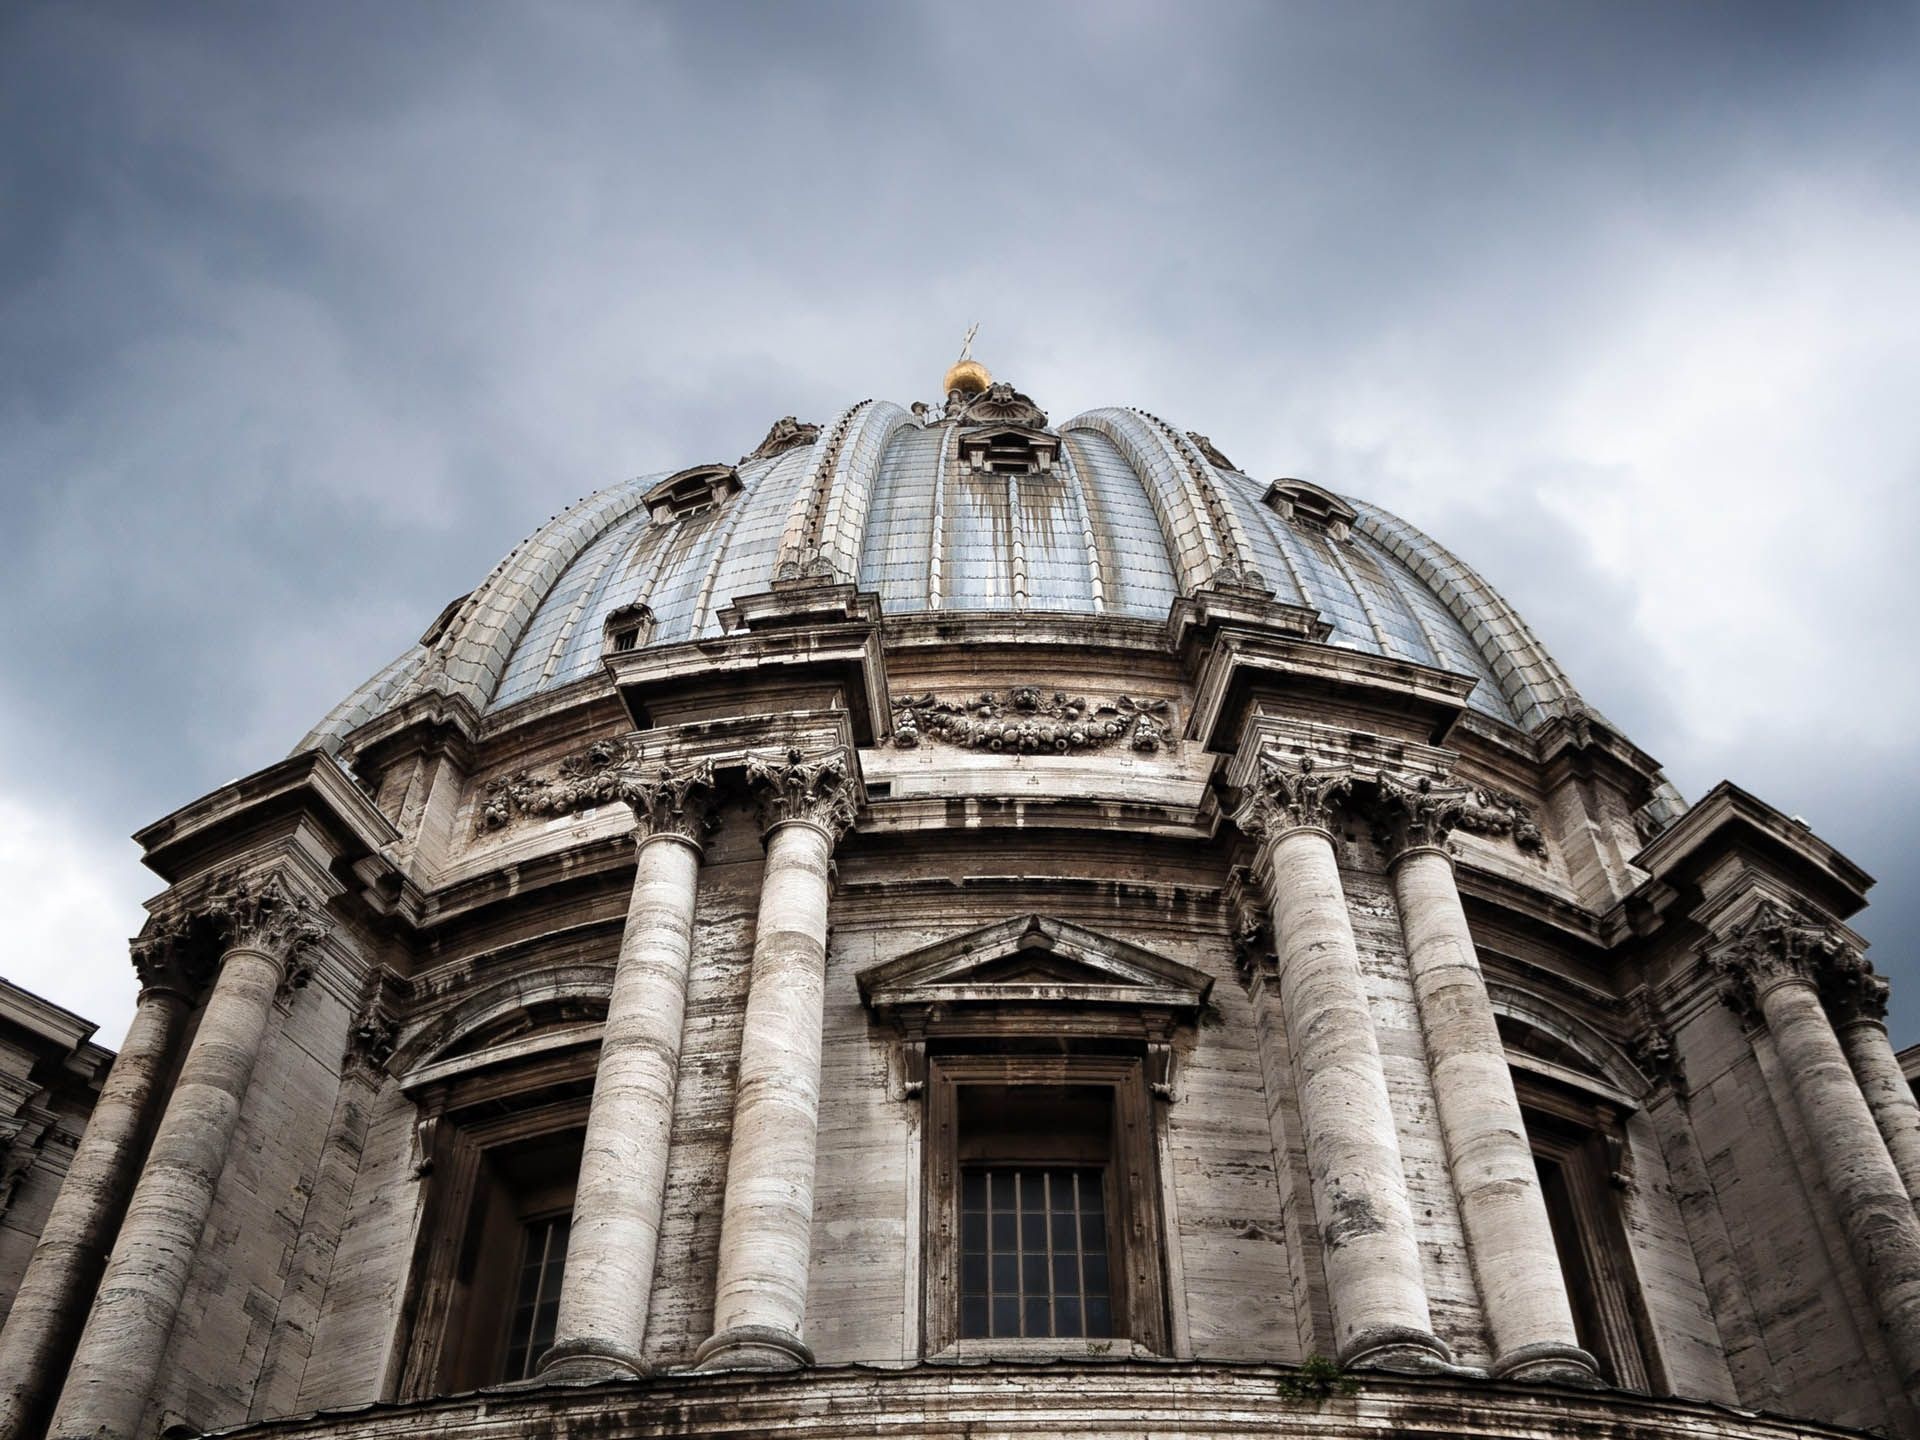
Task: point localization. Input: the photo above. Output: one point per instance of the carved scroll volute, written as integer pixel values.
(1772, 947)
(1290, 795)
(676, 800)
(1419, 813)
(791, 786)
(260, 913)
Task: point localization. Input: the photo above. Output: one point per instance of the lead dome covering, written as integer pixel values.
(1124, 513)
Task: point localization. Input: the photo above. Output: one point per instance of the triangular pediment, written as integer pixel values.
(1034, 960)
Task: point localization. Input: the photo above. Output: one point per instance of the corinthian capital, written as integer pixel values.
(165, 956)
(1773, 947)
(1288, 794)
(1851, 989)
(675, 800)
(791, 786)
(260, 913)
(1419, 811)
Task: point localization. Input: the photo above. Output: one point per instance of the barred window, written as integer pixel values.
(1033, 1256)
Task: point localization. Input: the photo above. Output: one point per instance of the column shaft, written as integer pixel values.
(1375, 1286)
(623, 1167)
(53, 1295)
(1872, 1204)
(121, 1348)
(1888, 1095)
(1508, 1234)
(766, 1223)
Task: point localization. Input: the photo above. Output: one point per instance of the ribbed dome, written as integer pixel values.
(1114, 512)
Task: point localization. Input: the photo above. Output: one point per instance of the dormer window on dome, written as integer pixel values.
(1304, 503)
(691, 492)
(628, 628)
(1009, 450)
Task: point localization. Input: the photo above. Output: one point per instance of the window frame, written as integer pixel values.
(442, 1347)
(1585, 1138)
(1136, 1240)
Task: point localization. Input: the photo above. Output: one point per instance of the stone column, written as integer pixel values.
(120, 1351)
(54, 1292)
(1857, 1000)
(1771, 966)
(766, 1223)
(623, 1166)
(1509, 1237)
(1375, 1286)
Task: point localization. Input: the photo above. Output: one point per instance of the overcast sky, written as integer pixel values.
(309, 312)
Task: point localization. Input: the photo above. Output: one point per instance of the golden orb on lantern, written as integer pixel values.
(969, 377)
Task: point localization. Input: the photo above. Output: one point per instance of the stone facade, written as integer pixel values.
(900, 985)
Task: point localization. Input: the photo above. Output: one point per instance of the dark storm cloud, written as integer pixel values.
(307, 313)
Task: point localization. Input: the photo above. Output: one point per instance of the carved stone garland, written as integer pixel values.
(582, 781)
(1029, 721)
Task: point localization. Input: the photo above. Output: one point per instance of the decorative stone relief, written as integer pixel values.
(1497, 812)
(1659, 1060)
(1028, 720)
(1254, 957)
(1207, 448)
(582, 781)
(1773, 947)
(1287, 794)
(787, 434)
(376, 1027)
(791, 786)
(998, 404)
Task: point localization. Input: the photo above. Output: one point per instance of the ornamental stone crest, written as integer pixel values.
(998, 404)
(676, 800)
(1289, 795)
(790, 786)
(1028, 720)
(1773, 947)
(787, 434)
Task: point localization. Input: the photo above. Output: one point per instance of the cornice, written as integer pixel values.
(312, 784)
(1240, 662)
(1728, 818)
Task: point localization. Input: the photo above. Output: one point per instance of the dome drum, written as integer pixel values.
(962, 924)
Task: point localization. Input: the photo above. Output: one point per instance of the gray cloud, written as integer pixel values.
(307, 313)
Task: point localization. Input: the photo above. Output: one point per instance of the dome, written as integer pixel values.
(982, 507)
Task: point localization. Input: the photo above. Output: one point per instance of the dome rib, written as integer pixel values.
(1533, 683)
(1178, 505)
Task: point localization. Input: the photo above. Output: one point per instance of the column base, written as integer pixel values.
(1396, 1347)
(583, 1361)
(753, 1347)
(1550, 1362)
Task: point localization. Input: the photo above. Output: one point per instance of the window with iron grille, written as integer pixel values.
(536, 1301)
(1033, 1253)
(1044, 1214)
